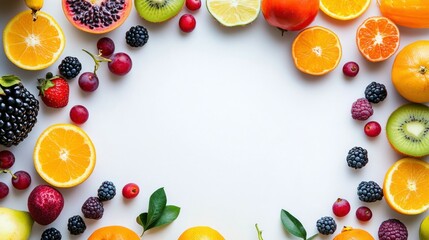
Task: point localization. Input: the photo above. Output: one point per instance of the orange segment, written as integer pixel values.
(316, 50)
(64, 155)
(406, 186)
(377, 38)
(344, 9)
(33, 45)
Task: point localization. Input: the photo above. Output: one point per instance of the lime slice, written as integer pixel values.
(234, 12)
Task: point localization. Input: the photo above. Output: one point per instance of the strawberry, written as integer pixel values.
(54, 91)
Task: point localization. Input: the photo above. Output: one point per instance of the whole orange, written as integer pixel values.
(114, 233)
(349, 233)
(201, 233)
(407, 13)
(410, 72)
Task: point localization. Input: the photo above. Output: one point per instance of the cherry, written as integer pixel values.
(21, 180)
(79, 114)
(4, 190)
(363, 214)
(88, 82)
(105, 46)
(7, 159)
(372, 129)
(350, 69)
(130, 190)
(341, 207)
(120, 63)
(187, 23)
(193, 5)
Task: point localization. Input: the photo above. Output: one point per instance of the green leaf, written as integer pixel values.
(259, 232)
(157, 203)
(293, 225)
(9, 80)
(169, 214)
(142, 219)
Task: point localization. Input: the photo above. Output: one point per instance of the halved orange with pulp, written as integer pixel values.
(64, 155)
(344, 9)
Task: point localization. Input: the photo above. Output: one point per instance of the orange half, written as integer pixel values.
(344, 9)
(64, 155)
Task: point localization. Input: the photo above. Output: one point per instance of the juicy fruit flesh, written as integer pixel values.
(345, 9)
(233, 13)
(158, 10)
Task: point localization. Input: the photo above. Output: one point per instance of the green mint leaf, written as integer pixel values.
(157, 203)
(169, 214)
(293, 225)
(142, 220)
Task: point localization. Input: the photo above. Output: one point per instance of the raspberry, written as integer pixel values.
(76, 225)
(326, 225)
(375, 92)
(106, 191)
(93, 208)
(51, 234)
(392, 229)
(70, 67)
(361, 109)
(357, 157)
(137, 36)
(369, 191)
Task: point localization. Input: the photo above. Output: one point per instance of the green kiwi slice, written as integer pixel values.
(158, 10)
(408, 129)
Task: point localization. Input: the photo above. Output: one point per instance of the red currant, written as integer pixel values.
(193, 5)
(7, 159)
(4, 190)
(79, 114)
(105, 46)
(21, 180)
(350, 69)
(363, 214)
(88, 82)
(130, 190)
(372, 129)
(341, 207)
(120, 63)
(187, 23)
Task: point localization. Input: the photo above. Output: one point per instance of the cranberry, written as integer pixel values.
(372, 129)
(193, 5)
(341, 207)
(130, 190)
(350, 69)
(21, 180)
(187, 23)
(88, 82)
(120, 64)
(105, 46)
(4, 190)
(79, 114)
(7, 159)
(363, 214)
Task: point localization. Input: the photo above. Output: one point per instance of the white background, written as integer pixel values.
(222, 119)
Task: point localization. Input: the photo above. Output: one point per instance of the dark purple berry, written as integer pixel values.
(88, 82)
(363, 214)
(120, 63)
(4, 190)
(106, 46)
(79, 114)
(21, 180)
(7, 159)
(350, 69)
(341, 207)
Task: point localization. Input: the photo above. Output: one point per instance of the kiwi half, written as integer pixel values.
(158, 10)
(408, 129)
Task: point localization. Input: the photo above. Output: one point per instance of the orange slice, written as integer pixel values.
(406, 186)
(377, 38)
(344, 9)
(33, 45)
(64, 155)
(316, 50)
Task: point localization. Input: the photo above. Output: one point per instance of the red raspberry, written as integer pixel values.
(362, 109)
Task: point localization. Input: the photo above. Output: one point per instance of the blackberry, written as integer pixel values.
(106, 191)
(70, 67)
(76, 225)
(392, 229)
(375, 92)
(51, 234)
(93, 208)
(357, 157)
(137, 36)
(18, 111)
(369, 191)
(326, 225)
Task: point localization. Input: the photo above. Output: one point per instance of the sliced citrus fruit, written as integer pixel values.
(234, 13)
(316, 50)
(33, 45)
(377, 38)
(344, 9)
(64, 155)
(406, 186)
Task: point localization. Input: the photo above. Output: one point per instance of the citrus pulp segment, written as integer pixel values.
(344, 9)
(64, 155)
(33, 45)
(234, 13)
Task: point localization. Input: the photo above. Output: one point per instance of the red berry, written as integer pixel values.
(187, 23)
(193, 5)
(363, 214)
(54, 91)
(21, 180)
(341, 207)
(7, 159)
(88, 82)
(372, 129)
(130, 190)
(350, 69)
(4, 190)
(120, 64)
(79, 114)
(106, 46)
